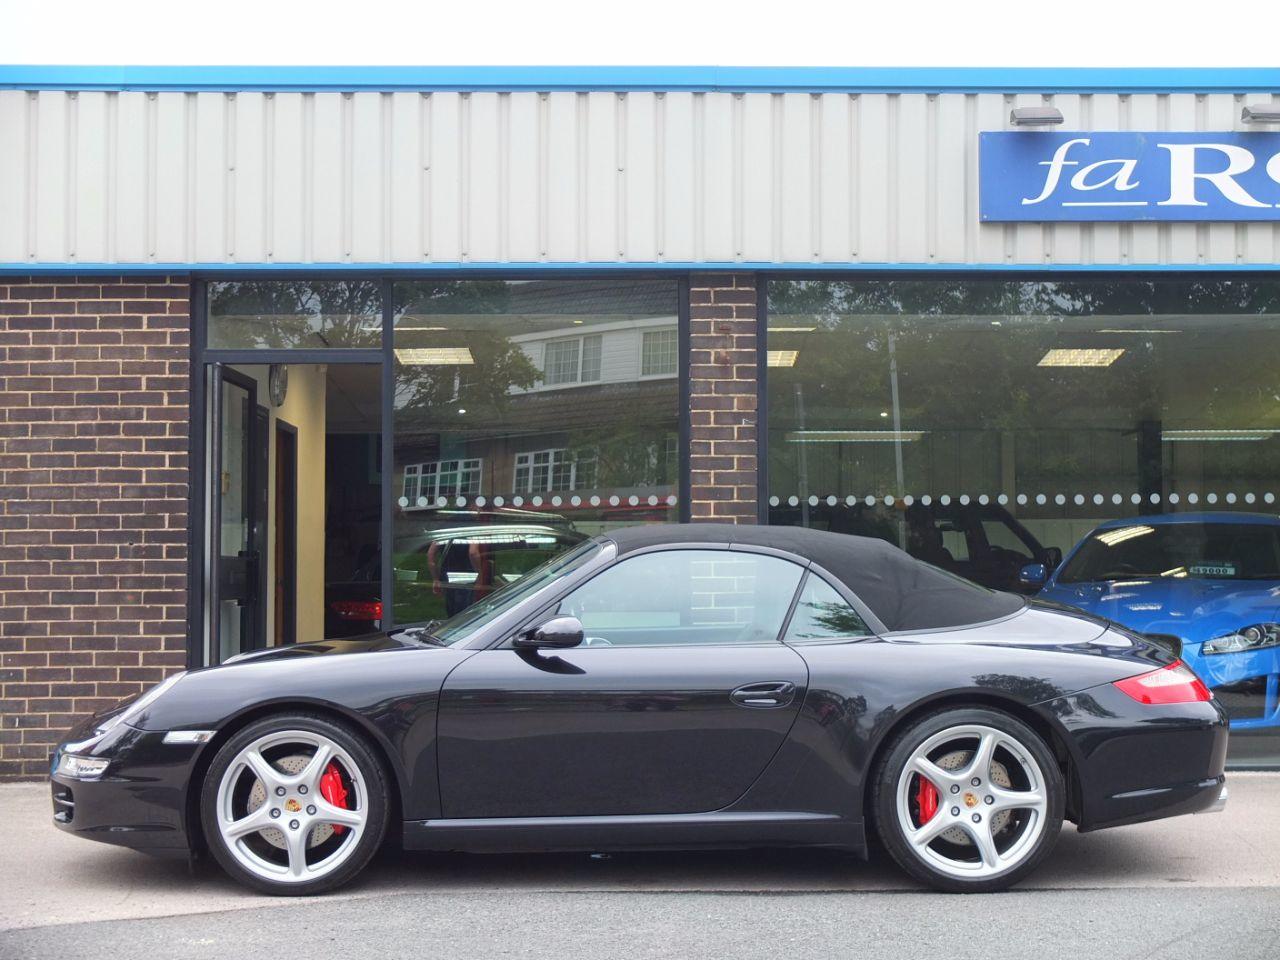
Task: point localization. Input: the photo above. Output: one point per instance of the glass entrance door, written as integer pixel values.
(237, 515)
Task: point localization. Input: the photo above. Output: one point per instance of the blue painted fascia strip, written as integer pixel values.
(628, 78)
(259, 269)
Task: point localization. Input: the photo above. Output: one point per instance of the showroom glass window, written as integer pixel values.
(287, 314)
(989, 425)
(526, 420)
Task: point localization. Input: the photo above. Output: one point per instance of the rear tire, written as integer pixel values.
(294, 804)
(968, 800)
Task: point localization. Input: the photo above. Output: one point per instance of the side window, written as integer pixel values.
(685, 597)
(1003, 537)
(822, 614)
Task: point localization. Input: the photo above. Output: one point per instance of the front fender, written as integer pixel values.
(392, 696)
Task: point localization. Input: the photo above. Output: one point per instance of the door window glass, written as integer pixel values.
(235, 493)
(679, 597)
(822, 614)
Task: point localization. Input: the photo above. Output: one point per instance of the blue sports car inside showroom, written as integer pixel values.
(1207, 584)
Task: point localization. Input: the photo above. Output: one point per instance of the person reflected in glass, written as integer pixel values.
(461, 572)
(450, 565)
(480, 556)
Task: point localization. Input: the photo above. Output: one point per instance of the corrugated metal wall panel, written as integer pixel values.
(486, 177)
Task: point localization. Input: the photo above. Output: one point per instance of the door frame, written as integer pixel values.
(286, 533)
(204, 364)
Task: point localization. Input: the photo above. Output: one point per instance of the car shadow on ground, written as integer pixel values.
(1078, 861)
(753, 869)
(396, 871)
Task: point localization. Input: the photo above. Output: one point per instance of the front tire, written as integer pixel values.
(294, 804)
(968, 800)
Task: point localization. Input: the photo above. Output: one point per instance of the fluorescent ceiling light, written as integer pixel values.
(1093, 357)
(792, 329)
(1135, 330)
(1216, 435)
(435, 356)
(782, 358)
(1112, 537)
(405, 328)
(853, 436)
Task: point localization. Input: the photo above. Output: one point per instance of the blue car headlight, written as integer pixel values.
(1259, 636)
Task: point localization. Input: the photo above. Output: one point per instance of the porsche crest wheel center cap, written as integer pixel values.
(999, 776)
(293, 806)
(292, 765)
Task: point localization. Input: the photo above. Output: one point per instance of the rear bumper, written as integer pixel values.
(1136, 762)
(1156, 803)
(1218, 804)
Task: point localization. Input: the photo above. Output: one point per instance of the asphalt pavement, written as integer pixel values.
(1189, 887)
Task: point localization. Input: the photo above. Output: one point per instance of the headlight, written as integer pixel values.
(80, 768)
(135, 708)
(1257, 637)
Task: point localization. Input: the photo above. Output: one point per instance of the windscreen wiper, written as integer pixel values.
(422, 633)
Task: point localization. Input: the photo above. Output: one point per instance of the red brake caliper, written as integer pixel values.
(334, 792)
(926, 799)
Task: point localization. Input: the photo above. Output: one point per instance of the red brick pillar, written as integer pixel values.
(722, 397)
(94, 411)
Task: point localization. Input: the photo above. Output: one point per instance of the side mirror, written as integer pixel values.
(1052, 558)
(557, 633)
(1033, 574)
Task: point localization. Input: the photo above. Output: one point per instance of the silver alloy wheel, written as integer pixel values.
(294, 811)
(1000, 822)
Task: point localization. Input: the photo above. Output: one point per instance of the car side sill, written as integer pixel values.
(647, 832)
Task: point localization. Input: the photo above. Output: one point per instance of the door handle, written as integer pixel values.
(764, 695)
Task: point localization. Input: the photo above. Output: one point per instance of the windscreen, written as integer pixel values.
(500, 601)
(1203, 551)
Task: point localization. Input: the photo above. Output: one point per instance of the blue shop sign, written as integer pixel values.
(1031, 175)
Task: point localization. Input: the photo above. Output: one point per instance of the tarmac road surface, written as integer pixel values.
(1189, 887)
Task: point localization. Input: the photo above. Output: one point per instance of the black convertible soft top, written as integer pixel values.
(905, 593)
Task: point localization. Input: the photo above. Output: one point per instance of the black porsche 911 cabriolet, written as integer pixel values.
(666, 686)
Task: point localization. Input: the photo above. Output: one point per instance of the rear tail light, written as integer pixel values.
(1176, 683)
(357, 609)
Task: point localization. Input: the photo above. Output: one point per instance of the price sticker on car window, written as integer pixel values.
(1212, 569)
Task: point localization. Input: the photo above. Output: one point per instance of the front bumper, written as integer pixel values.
(139, 801)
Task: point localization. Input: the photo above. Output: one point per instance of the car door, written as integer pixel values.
(676, 702)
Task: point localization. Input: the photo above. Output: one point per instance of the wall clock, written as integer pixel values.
(278, 383)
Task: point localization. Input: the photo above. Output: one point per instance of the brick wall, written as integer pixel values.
(722, 397)
(93, 484)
